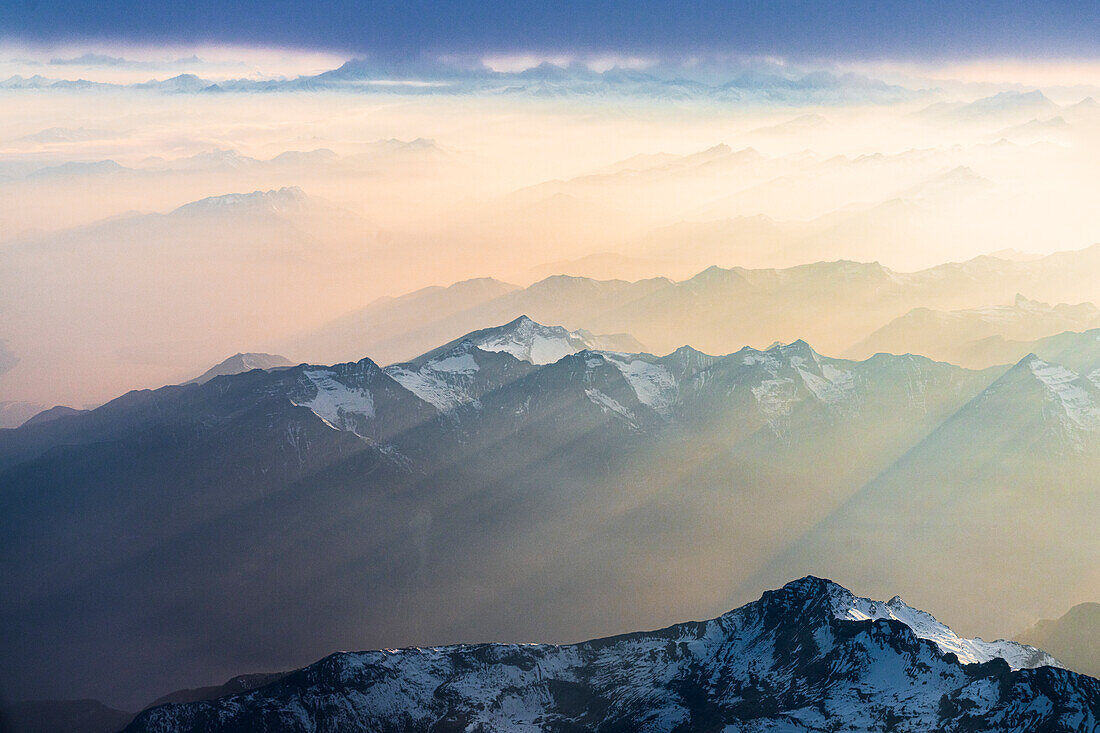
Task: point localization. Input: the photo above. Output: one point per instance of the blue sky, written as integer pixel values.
(809, 29)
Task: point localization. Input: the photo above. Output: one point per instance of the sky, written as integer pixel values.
(808, 29)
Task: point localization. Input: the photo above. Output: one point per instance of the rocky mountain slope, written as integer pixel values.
(1015, 467)
(807, 657)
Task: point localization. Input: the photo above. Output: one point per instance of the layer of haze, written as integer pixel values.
(106, 284)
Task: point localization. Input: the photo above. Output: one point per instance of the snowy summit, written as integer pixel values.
(801, 658)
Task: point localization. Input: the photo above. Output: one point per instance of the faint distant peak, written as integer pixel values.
(479, 284)
(720, 152)
(223, 157)
(1010, 99)
(179, 84)
(79, 168)
(53, 413)
(714, 151)
(242, 362)
(289, 199)
(961, 179)
(420, 143)
(1015, 255)
(67, 135)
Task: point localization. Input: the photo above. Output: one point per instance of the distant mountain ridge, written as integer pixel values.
(718, 310)
(978, 337)
(809, 656)
(547, 79)
(1075, 636)
(1002, 104)
(242, 363)
(282, 201)
(14, 413)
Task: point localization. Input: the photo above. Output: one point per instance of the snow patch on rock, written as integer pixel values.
(925, 626)
(653, 384)
(337, 404)
(609, 404)
(1070, 393)
(834, 386)
(439, 382)
(775, 396)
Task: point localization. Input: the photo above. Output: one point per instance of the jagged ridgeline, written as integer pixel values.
(810, 656)
(522, 482)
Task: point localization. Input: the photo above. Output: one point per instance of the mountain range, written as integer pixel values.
(1000, 105)
(978, 337)
(516, 482)
(547, 80)
(834, 305)
(810, 656)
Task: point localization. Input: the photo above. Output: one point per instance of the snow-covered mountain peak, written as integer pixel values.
(452, 376)
(532, 342)
(686, 352)
(846, 605)
(796, 353)
(808, 656)
(804, 590)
